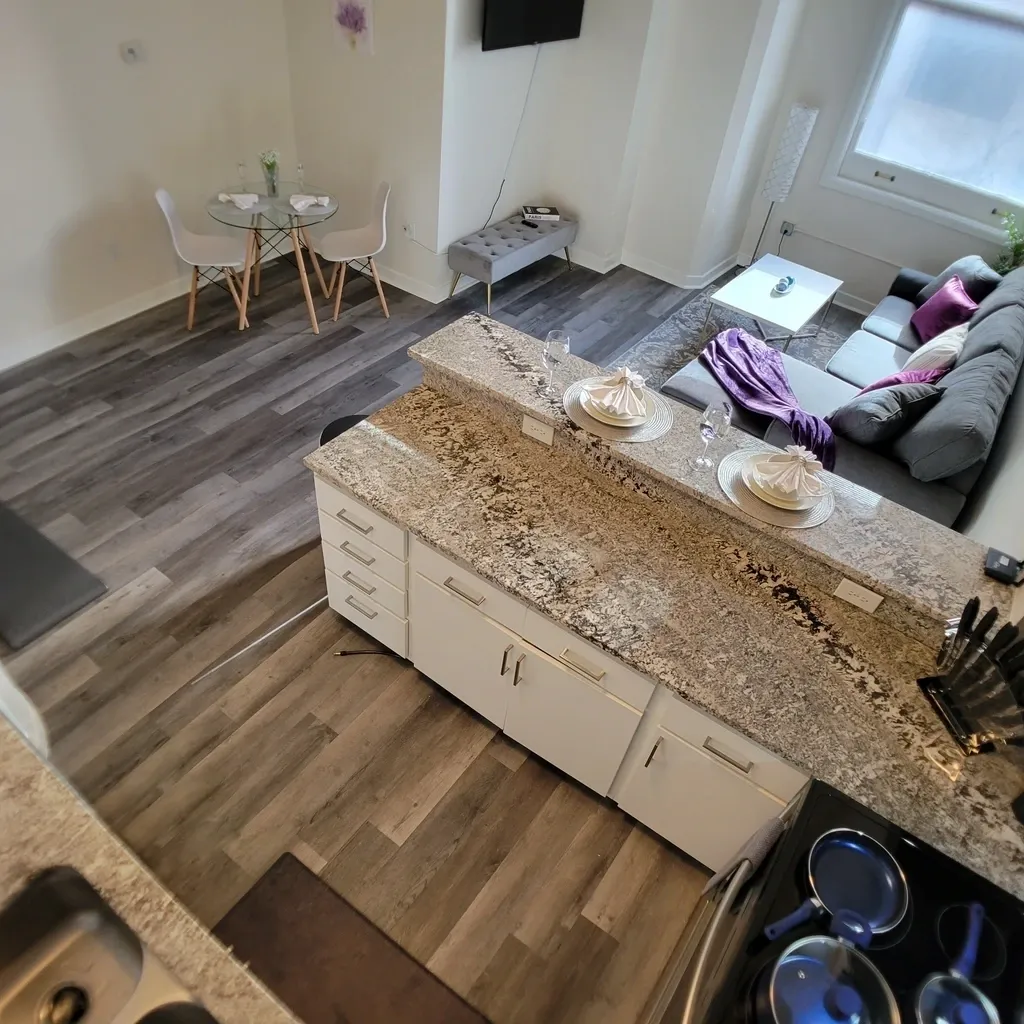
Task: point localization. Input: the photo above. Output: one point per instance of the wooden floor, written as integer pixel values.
(170, 464)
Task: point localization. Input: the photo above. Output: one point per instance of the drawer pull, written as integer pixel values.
(364, 530)
(357, 555)
(654, 750)
(504, 659)
(359, 608)
(573, 661)
(709, 746)
(519, 664)
(455, 588)
(884, 176)
(358, 584)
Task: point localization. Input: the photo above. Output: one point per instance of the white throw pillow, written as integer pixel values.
(941, 352)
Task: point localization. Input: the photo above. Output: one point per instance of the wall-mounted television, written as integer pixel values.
(525, 22)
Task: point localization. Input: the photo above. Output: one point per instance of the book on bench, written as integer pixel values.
(538, 213)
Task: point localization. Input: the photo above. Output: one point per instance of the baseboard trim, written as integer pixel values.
(671, 275)
(854, 303)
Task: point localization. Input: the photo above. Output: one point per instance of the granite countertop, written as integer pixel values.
(44, 822)
(821, 684)
(894, 551)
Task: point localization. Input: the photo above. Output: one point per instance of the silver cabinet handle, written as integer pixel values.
(519, 664)
(654, 750)
(358, 584)
(573, 661)
(709, 746)
(455, 588)
(504, 658)
(364, 530)
(359, 608)
(358, 556)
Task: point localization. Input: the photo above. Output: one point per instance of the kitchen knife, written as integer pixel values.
(963, 661)
(1015, 650)
(967, 617)
(987, 669)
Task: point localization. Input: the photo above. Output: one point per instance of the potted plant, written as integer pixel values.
(270, 162)
(1012, 255)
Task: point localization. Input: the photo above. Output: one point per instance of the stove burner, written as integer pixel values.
(951, 929)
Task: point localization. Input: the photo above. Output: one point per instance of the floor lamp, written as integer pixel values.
(788, 154)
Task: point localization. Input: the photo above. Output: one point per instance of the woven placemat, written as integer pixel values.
(730, 476)
(659, 423)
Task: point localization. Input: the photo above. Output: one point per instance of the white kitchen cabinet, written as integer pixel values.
(694, 798)
(574, 724)
(353, 603)
(457, 646)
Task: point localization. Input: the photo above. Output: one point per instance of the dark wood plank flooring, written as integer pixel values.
(169, 463)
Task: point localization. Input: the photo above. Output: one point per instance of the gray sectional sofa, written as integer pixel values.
(934, 467)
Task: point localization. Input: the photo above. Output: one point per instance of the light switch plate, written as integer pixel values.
(858, 595)
(538, 431)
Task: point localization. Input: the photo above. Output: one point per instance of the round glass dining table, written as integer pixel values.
(269, 224)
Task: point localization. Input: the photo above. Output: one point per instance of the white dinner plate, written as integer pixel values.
(792, 505)
(593, 409)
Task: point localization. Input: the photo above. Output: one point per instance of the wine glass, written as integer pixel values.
(300, 175)
(240, 167)
(556, 348)
(714, 424)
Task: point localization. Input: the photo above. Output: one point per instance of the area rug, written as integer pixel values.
(677, 341)
(327, 962)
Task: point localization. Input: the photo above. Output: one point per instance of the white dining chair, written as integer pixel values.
(204, 253)
(341, 247)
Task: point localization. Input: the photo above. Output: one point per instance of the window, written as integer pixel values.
(943, 122)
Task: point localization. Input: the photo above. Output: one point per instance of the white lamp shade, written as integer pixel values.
(789, 153)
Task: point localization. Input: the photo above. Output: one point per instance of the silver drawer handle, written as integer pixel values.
(504, 659)
(709, 746)
(358, 556)
(455, 588)
(364, 530)
(573, 661)
(359, 608)
(358, 584)
(519, 664)
(654, 750)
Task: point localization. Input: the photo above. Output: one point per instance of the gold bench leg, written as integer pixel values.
(488, 298)
(568, 258)
(455, 284)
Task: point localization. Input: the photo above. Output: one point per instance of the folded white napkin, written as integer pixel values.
(621, 394)
(792, 474)
(243, 200)
(300, 202)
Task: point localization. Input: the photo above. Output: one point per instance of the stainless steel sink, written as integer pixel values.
(67, 958)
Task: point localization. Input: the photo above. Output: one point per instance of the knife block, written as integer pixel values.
(952, 718)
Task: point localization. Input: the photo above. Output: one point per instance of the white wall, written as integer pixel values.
(88, 138)
(861, 242)
(361, 119)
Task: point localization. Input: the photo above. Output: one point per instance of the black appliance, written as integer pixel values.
(510, 23)
(927, 940)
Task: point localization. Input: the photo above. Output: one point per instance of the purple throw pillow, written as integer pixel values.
(906, 377)
(949, 307)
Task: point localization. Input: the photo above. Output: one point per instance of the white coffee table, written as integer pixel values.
(751, 293)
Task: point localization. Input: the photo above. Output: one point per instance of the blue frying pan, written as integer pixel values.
(848, 870)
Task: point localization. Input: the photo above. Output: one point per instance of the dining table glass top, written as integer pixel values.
(275, 210)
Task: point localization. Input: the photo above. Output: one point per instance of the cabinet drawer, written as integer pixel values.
(365, 613)
(733, 750)
(369, 556)
(468, 587)
(587, 661)
(688, 797)
(365, 580)
(371, 526)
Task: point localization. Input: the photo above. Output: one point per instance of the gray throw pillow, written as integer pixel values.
(977, 277)
(882, 415)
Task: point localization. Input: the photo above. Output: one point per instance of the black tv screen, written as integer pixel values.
(524, 22)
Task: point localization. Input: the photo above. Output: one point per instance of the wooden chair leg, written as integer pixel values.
(455, 284)
(192, 298)
(380, 291)
(334, 280)
(340, 274)
(233, 287)
(316, 263)
(250, 245)
(304, 279)
(568, 258)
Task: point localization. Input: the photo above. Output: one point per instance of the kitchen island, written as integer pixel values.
(734, 621)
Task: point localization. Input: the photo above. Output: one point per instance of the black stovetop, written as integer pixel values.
(929, 938)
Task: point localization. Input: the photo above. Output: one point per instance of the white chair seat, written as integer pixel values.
(216, 251)
(354, 244)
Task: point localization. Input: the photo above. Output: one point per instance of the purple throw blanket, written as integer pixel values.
(754, 377)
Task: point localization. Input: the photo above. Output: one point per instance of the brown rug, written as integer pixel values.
(326, 961)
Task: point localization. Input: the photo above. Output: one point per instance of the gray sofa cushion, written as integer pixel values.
(890, 320)
(1009, 293)
(879, 473)
(977, 277)
(1003, 331)
(880, 415)
(503, 248)
(865, 358)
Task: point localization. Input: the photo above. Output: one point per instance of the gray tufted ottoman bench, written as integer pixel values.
(495, 252)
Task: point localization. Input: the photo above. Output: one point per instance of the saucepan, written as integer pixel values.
(848, 870)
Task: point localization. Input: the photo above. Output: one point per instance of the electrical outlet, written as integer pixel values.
(542, 432)
(410, 230)
(787, 228)
(857, 595)
(131, 51)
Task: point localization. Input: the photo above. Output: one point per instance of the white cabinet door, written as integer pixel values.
(568, 721)
(694, 800)
(460, 648)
